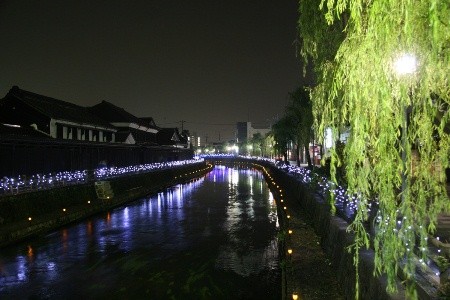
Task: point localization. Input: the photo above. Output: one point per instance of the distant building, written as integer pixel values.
(55, 118)
(40, 134)
(195, 140)
(245, 131)
(104, 122)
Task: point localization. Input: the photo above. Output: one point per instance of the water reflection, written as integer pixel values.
(211, 238)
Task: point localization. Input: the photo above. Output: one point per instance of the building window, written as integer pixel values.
(95, 135)
(108, 136)
(70, 131)
(59, 131)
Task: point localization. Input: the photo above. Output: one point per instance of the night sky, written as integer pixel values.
(211, 63)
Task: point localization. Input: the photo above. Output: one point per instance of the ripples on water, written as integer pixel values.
(212, 238)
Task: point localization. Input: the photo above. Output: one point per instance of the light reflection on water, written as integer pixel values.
(215, 236)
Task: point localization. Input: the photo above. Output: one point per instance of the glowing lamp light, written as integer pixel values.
(64, 209)
(405, 64)
(290, 231)
(281, 200)
(294, 296)
(288, 216)
(328, 138)
(29, 218)
(290, 251)
(285, 208)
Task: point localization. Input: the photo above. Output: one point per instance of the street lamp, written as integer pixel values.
(404, 65)
(249, 149)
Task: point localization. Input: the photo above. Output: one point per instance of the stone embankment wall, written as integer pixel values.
(335, 241)
(28, 214)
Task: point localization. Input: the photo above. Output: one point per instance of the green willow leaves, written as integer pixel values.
(354, 46)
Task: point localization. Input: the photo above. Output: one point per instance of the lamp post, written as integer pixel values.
(249, 149)
(404, 65)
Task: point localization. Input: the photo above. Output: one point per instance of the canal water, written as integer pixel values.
(211, 238)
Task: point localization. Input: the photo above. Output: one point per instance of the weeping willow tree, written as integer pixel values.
(398, 115)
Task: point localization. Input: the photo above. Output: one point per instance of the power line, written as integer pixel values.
(212, 124)
(182, 122)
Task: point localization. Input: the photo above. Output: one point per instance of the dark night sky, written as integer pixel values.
(206, 62)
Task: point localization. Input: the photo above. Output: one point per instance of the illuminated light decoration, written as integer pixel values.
(288, 216)
(52, 180)
(89, 202)
(290, 251)
(11, 125)
(281, 200)
(285, 208)
(346, 203)
(290, 231)
(29, 218)
(64, 209)
(294, 296)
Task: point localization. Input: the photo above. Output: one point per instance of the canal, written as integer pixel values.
(211, 238)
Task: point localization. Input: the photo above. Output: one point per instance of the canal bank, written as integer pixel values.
(336, 240)
(307, 270)
(29, 214)
(316, 253)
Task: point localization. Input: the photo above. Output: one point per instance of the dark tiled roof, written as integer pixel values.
(150, 122)
(164, 136)
(58, 109)
(112, 114)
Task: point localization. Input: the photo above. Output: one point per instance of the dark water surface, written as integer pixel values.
(212, 238)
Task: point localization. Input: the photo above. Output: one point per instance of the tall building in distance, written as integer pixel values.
(195, 140)
(245, 131)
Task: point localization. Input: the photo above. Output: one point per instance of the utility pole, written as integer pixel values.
(182, 125)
